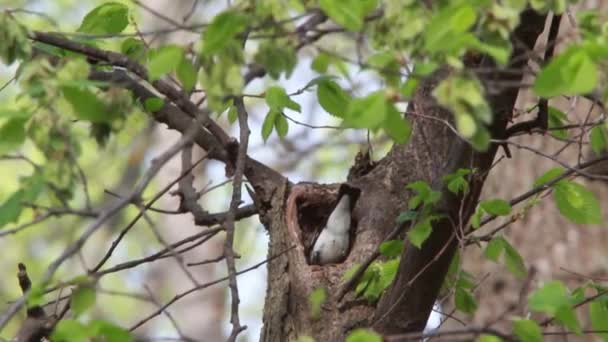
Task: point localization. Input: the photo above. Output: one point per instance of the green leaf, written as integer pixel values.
(86, 105)
(388, 272)
(476, 218)
(277, 99)
(367, 112)
(82, 299)
(549, 298)
(598, 313)
(420, 232)
(110, 331)
(108, 18)
(599, 139)
(153, 104)
(557, 118)
(222, 30)
(350, 272)
(514, 262)
(527, 330)
(548, 176)
(15, 113)
(392, 248)
(316, 300)
(577, 203)
(69, 330)
(405, 216)
(281, 125)
(424, 194)
(457, 182)
(488, 338)
(321, 63)
(36, 296)
(465, 301)
(12, 134)
(164, 60)
(409, 87)
(276, 59)
(134, 48)
(396, 126)
(363, 335)
(332, 98)
(567, 317)
(348, 13)
(498, 207)
(448, 27)
(30, 188)
(186, 73)
(571, 73)
(268, 124)
(233, 115)
(494, 249)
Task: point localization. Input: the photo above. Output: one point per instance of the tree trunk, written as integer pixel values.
(292, 212)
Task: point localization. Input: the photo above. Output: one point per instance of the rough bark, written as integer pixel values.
(432, 152)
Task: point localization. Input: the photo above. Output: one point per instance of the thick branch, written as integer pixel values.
(407, 304)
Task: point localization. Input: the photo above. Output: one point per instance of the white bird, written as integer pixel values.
(332, 244)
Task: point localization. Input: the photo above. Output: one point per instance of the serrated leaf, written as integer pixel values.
(233, 115)
(388, 273)
(134, 48)
(396, 126)
(456, 182)
(276, 59)
(557, 118)
(367, 112)
(598, 313)
(268, 123)
(277, 99)
(571, 73)
(186, 73)
(566, 316)
(350, 272)
(332, 98)
(363, 335)
(576, 203)
(111, 332)
(498, 207)
(464, 301)
(527, 330)
(82, 299)
(320, 63)
(494, 249)
(420, 232)
(163, 61)
(69, 330)
(548, 176)
(12, 134)
(281, 125)
(599, 139)
(392, 248)
(408, 88)
(223, 29)
(488, 338)
(549, 298)
(86, 105)
(514, 262)
(108, 18)
(316, 300)
(446, 29)
(348, 13)
(405, 216)
(152, 104)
